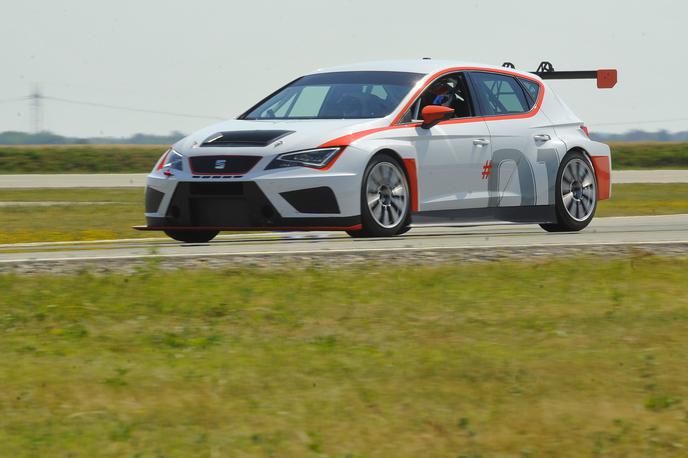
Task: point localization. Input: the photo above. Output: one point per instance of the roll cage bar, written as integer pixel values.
(606, 78)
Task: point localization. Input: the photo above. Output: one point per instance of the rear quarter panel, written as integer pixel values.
(599, 154)
(567, 127)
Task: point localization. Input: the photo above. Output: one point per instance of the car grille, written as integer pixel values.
(220, 204)
(216, 189)
(223, 165)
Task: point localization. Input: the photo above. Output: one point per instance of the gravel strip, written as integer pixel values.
(341, 260)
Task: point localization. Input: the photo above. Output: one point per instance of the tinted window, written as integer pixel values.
(499, 94)
(532, 88)
(339, 95)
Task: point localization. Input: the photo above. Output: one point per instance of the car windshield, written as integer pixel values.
(338, 95)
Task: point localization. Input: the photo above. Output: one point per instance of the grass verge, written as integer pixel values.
(640, 199)
(74, 217)
(657, 155)
(79, 158)
(141, 158)
(582, 357)
(119, 209)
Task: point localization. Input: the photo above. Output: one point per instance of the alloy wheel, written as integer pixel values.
(578, 191)
(386, 194)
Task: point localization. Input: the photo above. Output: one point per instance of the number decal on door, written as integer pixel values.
(550, 158)
(526, 178)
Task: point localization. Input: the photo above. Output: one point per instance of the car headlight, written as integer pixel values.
(316, 158)
(171, 159)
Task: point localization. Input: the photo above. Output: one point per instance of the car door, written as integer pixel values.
(525, 150)
(452, 155)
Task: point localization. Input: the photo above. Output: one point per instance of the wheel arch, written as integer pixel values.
(601, 168)
(391, 152)
(410, 168)
(581, 150)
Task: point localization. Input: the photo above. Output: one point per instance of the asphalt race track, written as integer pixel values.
(604, 233)
(134, 180)
(645, 231)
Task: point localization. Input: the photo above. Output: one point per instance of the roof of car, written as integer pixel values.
(424, 65)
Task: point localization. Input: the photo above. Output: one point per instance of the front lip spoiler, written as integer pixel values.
(356, 227)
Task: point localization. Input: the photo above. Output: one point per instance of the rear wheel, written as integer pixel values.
(576, 194)
(192, 236)
(385, 199)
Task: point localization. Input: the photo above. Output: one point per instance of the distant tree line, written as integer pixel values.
(48, 138)
(641, 136)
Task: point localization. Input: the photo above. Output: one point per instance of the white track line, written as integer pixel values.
(147, 239)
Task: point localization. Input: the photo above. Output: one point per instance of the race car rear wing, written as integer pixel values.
(606, 78)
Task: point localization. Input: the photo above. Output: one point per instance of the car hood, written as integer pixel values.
(275, 136)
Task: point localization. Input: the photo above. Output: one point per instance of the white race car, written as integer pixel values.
(372, 148)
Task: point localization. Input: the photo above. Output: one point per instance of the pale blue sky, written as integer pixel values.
(217, 58)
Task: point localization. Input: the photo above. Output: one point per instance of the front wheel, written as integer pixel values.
(576, 194)
(192, 236)
(385, 201)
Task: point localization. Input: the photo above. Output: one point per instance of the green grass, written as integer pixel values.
(645, 199)
(114, 220)
(128, 195)
(79, 158)
(141, 158)
(72, 221)
(657, 155)
(584, 357)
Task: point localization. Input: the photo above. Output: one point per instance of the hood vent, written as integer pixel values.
(246, 138)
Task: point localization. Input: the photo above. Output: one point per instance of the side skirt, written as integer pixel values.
(356, 227)
(529, 214)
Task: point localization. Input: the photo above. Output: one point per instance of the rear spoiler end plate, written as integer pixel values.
(606, 78)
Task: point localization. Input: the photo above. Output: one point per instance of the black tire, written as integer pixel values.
(192, 236)
(398, 207)
(362, 234)
(575, 214)
(357, 234)
(404, 229)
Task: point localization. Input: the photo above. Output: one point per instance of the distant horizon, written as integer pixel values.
(173, 131)
(18, 138)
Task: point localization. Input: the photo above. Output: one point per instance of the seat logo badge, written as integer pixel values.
(487, 169)
(220, 164)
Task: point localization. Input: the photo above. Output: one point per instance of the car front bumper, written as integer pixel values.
(299, 199)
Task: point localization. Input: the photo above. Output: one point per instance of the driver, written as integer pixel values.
(442, 93)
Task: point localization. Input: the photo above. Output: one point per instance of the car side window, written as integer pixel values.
(449, 91)
(532, 88)
(499, 94)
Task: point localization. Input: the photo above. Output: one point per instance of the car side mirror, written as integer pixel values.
(432, 114)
